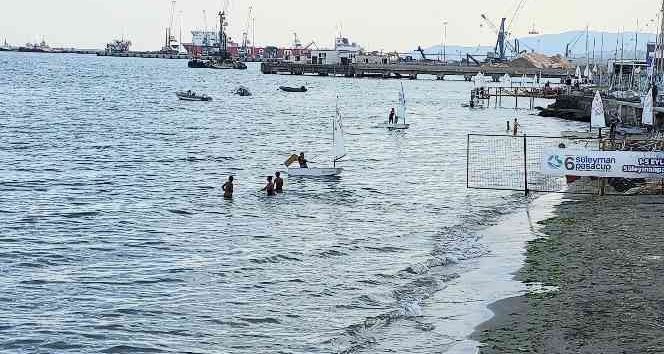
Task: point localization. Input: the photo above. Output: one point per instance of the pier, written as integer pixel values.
(153, 55)
(407, 70)
(514, 93)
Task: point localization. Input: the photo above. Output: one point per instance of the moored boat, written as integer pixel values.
(242, 91)
(192, 96)
(293, 89)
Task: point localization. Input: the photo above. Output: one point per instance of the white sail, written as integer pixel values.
(401, 112)
(480, 80)
(339, 144)
(586, 72)
(578, 72)
(597, 118)
(506, 80)
(648, 117)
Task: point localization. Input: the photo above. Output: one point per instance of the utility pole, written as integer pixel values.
(636, 41)
(445, 42)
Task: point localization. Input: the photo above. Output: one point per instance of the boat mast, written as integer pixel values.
(334, 141)
(223, 45)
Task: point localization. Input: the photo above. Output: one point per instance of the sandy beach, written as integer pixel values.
(601, 267)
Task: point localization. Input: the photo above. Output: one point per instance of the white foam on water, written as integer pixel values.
(463, 305)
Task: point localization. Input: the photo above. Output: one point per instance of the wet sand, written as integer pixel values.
(605, 259)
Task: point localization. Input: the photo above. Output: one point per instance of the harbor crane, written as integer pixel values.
(570, 46)
(503, 42)
(424, 56)
(244, 52)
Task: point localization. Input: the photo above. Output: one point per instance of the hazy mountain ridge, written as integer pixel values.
(554, 44)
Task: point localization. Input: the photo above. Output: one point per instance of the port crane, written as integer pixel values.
(424, 56)
(244, 52)
(503, 41)
(570, 46)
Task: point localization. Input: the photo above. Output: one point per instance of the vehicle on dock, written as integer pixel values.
(192, 96)
(293, 89)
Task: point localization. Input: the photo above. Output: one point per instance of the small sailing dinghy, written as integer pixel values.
(192, 96)
(401, 114)
(338, 151)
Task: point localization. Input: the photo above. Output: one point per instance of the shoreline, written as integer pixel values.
(465, 303)
(600, 262)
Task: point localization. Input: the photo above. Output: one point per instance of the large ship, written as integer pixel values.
(41, 47)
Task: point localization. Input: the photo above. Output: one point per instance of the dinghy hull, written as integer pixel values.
(314, 172)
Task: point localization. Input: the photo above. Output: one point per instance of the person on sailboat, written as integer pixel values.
(392, 115)
(269, 187)
(228, 188)
(302, 161)
(278, 182)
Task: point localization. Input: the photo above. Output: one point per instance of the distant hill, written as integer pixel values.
(553, 44)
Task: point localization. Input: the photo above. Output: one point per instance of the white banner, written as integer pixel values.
(585, 163)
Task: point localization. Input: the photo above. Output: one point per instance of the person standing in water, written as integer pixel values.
(302, 161)
(392, 116)
(278, 183)
(516, 126)
(228, 188)
(269, 187)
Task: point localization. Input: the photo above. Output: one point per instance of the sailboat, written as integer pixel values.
(401, 114)
(597, 120)
(338, 151)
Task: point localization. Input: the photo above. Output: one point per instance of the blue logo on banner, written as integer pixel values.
(555, 162)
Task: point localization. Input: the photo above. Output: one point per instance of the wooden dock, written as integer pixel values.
(407, 70)
(514, 93)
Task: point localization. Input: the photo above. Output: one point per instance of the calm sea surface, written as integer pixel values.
(115, 237)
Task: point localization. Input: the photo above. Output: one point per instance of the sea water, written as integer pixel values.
(115, 237)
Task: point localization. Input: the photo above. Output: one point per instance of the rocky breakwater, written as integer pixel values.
(571, 107)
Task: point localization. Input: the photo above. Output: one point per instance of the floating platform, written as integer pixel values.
(148, 55)
(406, 70)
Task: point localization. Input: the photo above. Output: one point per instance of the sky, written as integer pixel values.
(375, 24)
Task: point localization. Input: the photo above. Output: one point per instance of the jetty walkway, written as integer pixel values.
(407, 70)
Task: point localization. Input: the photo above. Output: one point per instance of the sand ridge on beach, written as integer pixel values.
(605, 257)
